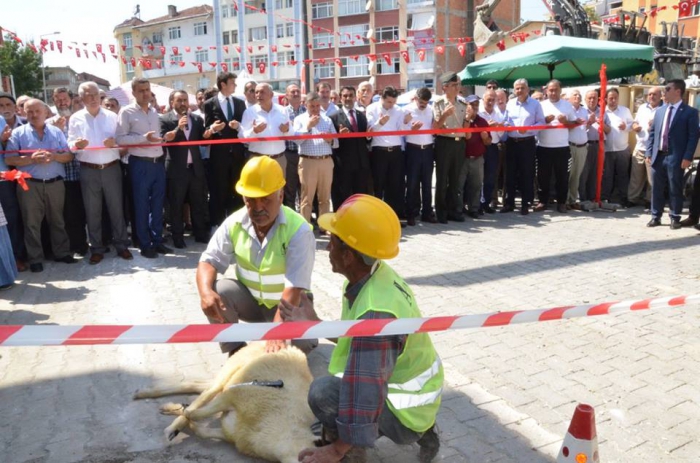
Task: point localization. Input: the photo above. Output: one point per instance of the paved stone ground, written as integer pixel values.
(510, 391)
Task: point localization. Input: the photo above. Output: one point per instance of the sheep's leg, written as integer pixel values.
(221, 403)
(206, 432)
(181, 421)
(172, 409)
(191, 387)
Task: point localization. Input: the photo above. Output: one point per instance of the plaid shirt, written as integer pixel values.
(291, 146)
(364, 386)
(72, 167)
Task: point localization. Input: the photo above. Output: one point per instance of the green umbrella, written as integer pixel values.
(574, 61)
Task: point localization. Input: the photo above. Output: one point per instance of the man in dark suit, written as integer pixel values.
(351, 169)
(670, 148)
(222, 116)
(184, 169)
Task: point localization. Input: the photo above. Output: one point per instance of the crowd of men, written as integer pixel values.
(87, 189)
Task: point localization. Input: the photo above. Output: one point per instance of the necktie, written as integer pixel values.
(664, 135)
(230, 108)
(353, 121)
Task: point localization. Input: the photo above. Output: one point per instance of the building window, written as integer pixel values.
(285, 57)
(352, 68)
(321, 10)
(200, 28)
(257, 33)
(201, 56)
(257, 59)
(228, 11)
(289, 27)
(157, 38)
(348, 35)
(175, 59)
(280, 4)
(174, 33)
(226, 38)
(387, 34)
(203, 82)
(350, 7)
(696, 10)
(323, 40)
(324, 71)
(234, 36)
(233, 63)
(393, 68)
(126, 38)
(279, 31)
(420, 2)
(418, 83)
(384, 5)
(178, 85)
(129, 66)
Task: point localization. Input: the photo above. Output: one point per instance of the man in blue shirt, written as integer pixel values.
(43, 152)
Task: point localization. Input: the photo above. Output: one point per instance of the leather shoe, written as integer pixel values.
(456, 218)
(561, 208)
(575, 207)
(442, 220)
(675, 224)
(96, 258)
(67, 259)
(21, 265)
(654, 223)
(36, 268)
(411, 221)
(524, 210)
(430, 219)
(149, 253)
(473, 214)
(163, 249)
(689, 222)
(179, 243)
(540, 207)
(125, 254)
(202, 239)
(697, 227)
(488, 209)
(505, 209)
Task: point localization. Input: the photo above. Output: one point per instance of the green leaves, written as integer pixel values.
(23, 64)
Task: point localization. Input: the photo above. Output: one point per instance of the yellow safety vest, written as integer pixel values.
(415, 386)
(265, 282)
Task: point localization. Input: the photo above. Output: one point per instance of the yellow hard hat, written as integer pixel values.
(366, 224)
(261, 176)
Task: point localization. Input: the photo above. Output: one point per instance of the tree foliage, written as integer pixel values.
(592, 15)
(23, 64)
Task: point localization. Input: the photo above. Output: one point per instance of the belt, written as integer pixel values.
(387, 148)
(521, 139)
(422, 147)
(48, 180)
(98, 166)
(474, 157)
(272, 156)
(445, 137)
(145, 159)
(306, 156)
(577, 145)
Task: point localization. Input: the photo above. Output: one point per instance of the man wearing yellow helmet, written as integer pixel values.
(379, 386)
(273, 248)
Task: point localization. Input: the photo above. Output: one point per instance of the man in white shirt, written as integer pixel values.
(266, 119)
(553, 150)
(101, 175)
(315, 161)
(578, 142)
(617, 153)
(495, 118)
(327, 106)
(419, 159)
(365, 91)
(640, 172)
(387, 157)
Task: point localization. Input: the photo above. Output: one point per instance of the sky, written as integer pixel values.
(93, 21)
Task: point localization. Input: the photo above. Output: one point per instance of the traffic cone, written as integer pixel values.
(581, 442)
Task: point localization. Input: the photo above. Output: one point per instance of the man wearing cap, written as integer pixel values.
(449, 113)
(378, 386)
(273, 248)
(471, 175)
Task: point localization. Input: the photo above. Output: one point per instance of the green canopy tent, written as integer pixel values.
(573, 61)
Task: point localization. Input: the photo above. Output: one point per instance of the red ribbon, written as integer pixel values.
(17, 176)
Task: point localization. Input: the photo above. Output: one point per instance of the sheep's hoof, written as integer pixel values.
(173, 435)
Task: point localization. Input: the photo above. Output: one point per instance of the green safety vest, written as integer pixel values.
(266, 282)
(415, 386)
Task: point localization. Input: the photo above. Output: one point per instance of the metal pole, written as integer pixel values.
(43, 68)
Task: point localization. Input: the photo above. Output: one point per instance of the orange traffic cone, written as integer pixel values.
(581, 442)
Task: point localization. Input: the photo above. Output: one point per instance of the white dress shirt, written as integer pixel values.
(498, 117)
(95, 130)
(315, 146)
(274, 118)
(618, 140)
(644, 117)
(374, 112)
(224, 105)
(426, 117)
(673, 114)
(578, 135)
(556, 138)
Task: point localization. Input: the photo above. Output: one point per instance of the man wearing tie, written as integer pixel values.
(670, 147)
(222, 116)
(184, 169)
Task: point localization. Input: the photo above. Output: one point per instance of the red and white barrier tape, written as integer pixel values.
(54, 335)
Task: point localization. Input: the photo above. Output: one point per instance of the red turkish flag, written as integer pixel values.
(224, 67)
(51, 45)
(175, 51)
(212, 65)
(372, 57)
(181, 63)
(99, 47)
(187, 49)
(123, 59)
(226, 49)
(158, 64)
(440, 49)
(684, 9)
(293, 62)
(249, 67)
(462, 48)
(199, 67)
(123, 47)
(261, 67)
(274, 48)
(162, 50)
(480, 49)
(339, 62)
(133, 61)
(387, 58)
(421, 55)
(405, 56)
(250, 48)
(111, 48)
(77, 52)
(59, 44)
(238, 49)
(501, 45)
(274, 63)
(151, 47)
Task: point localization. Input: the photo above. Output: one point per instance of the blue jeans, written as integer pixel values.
(148, 183)
(419, 180)
(490, 166)
(324, 398)
(665, 173)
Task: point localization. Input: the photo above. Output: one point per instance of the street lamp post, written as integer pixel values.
(43, 68)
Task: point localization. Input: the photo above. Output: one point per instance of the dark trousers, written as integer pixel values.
(419, 180)
(387, 172)
(588, 183)
(556, 161)
(225, 172)
(347, 182)
(10, 206)
(490, 170)
(520, 171)
(324, 400)
(695, 199)
(74, 217)
(148, 183)
(665, 173)
(449, 156)
(616, 175)
(128, 201)
(292, 187)
(190, 189)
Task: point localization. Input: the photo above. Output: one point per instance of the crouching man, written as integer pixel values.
(379, 386)
(273, 248)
